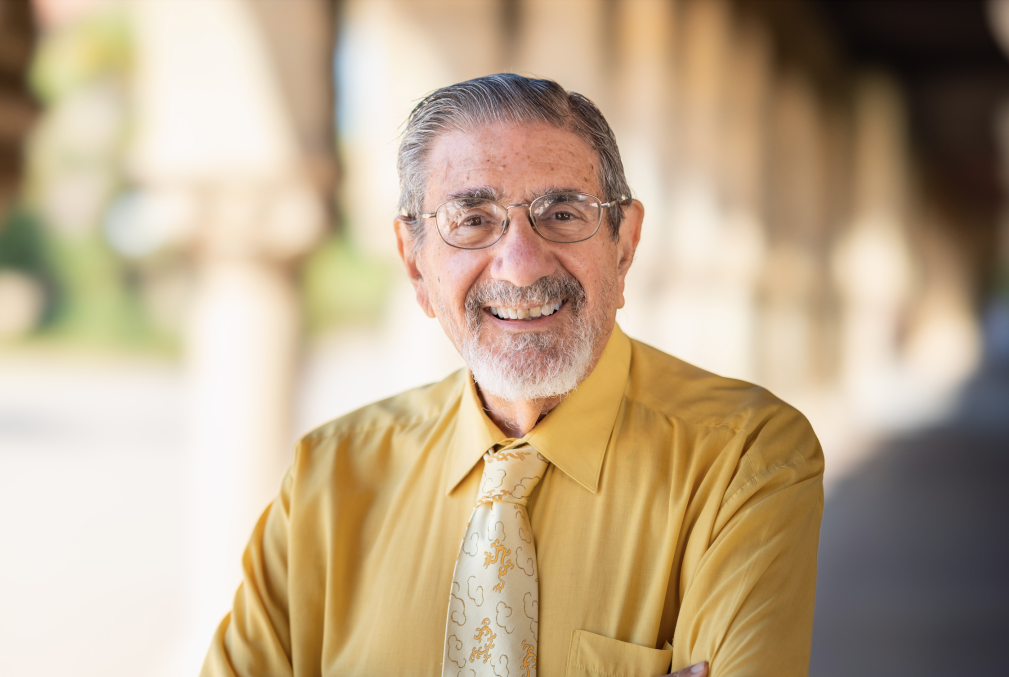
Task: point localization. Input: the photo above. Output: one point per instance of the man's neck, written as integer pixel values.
(517, 418)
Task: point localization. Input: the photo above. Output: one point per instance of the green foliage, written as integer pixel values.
(97, 302)
(341, 285)
(82, 52)
(94, 297)
(22, 242)
(23, 247)
(91, 294)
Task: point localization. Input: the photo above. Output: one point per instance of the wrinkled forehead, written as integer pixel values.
(509, 161)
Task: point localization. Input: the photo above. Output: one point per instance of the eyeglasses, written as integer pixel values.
(476, 223)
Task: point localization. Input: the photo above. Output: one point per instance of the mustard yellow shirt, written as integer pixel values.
(678, 522)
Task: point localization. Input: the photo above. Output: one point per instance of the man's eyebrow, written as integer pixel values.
(552, 190)
(490, 193)
(483, 192)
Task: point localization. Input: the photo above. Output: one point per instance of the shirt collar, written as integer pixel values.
(573, 436)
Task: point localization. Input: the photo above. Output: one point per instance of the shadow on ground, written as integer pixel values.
(914, 551)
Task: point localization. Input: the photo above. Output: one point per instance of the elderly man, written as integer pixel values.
(620, 512)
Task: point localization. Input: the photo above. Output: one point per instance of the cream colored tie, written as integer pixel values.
(493, 612)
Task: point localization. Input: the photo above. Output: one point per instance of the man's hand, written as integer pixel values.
(695, 670)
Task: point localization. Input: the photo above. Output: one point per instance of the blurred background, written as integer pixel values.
(197, 265)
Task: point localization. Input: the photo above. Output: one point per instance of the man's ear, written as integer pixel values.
(627, 244)
(409, 250)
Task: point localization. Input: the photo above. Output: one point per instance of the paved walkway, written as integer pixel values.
(92, 484)
(914, 551)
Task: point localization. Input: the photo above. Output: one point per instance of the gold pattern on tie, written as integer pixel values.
(493, 612)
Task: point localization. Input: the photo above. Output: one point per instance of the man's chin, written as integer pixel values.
(529, 342)
(527, 374)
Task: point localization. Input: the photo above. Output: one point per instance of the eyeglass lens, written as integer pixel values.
(472, 223)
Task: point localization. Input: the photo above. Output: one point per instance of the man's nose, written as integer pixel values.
(521, 256)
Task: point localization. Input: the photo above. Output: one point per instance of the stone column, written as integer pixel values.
(569, 41)
(643, 119)
(938, 338)
(742, 157)
(693, 207)
(873, 264)
(234, 155)
(793, 281)
(391, 53)
(715, 233)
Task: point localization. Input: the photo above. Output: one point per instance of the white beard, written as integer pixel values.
(531, 366)
(534, 365)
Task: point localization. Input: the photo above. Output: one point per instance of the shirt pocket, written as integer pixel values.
(593, 655)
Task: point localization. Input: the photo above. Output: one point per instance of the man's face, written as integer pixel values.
(535, 357)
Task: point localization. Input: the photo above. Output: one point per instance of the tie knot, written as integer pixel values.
(510, 475)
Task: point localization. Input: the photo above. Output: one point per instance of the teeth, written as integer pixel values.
(526, 313)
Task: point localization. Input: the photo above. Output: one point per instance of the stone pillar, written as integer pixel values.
(643, 119)
(234, 155)
(837, 164)
(939, 341)
(873, 264)
(391, 53)
(569, 41)
(794, 278)
(742, 161)
(714, 248)
(694, 202)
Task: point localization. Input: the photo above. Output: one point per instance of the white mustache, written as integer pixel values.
(559, 286)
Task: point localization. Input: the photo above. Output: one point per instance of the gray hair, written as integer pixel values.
(511, 99)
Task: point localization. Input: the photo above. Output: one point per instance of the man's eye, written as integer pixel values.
(474, 221)
(562, 214)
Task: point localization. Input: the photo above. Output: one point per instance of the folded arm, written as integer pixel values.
(747, 603)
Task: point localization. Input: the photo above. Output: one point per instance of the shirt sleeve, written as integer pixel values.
(255, 638)
(748, 605)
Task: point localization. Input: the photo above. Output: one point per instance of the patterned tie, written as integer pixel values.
(493, 612)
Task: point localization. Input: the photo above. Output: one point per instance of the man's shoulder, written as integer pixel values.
(737, 417)
(407, 410)
(684, 392)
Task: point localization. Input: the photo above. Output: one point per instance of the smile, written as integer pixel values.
(526, 313)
